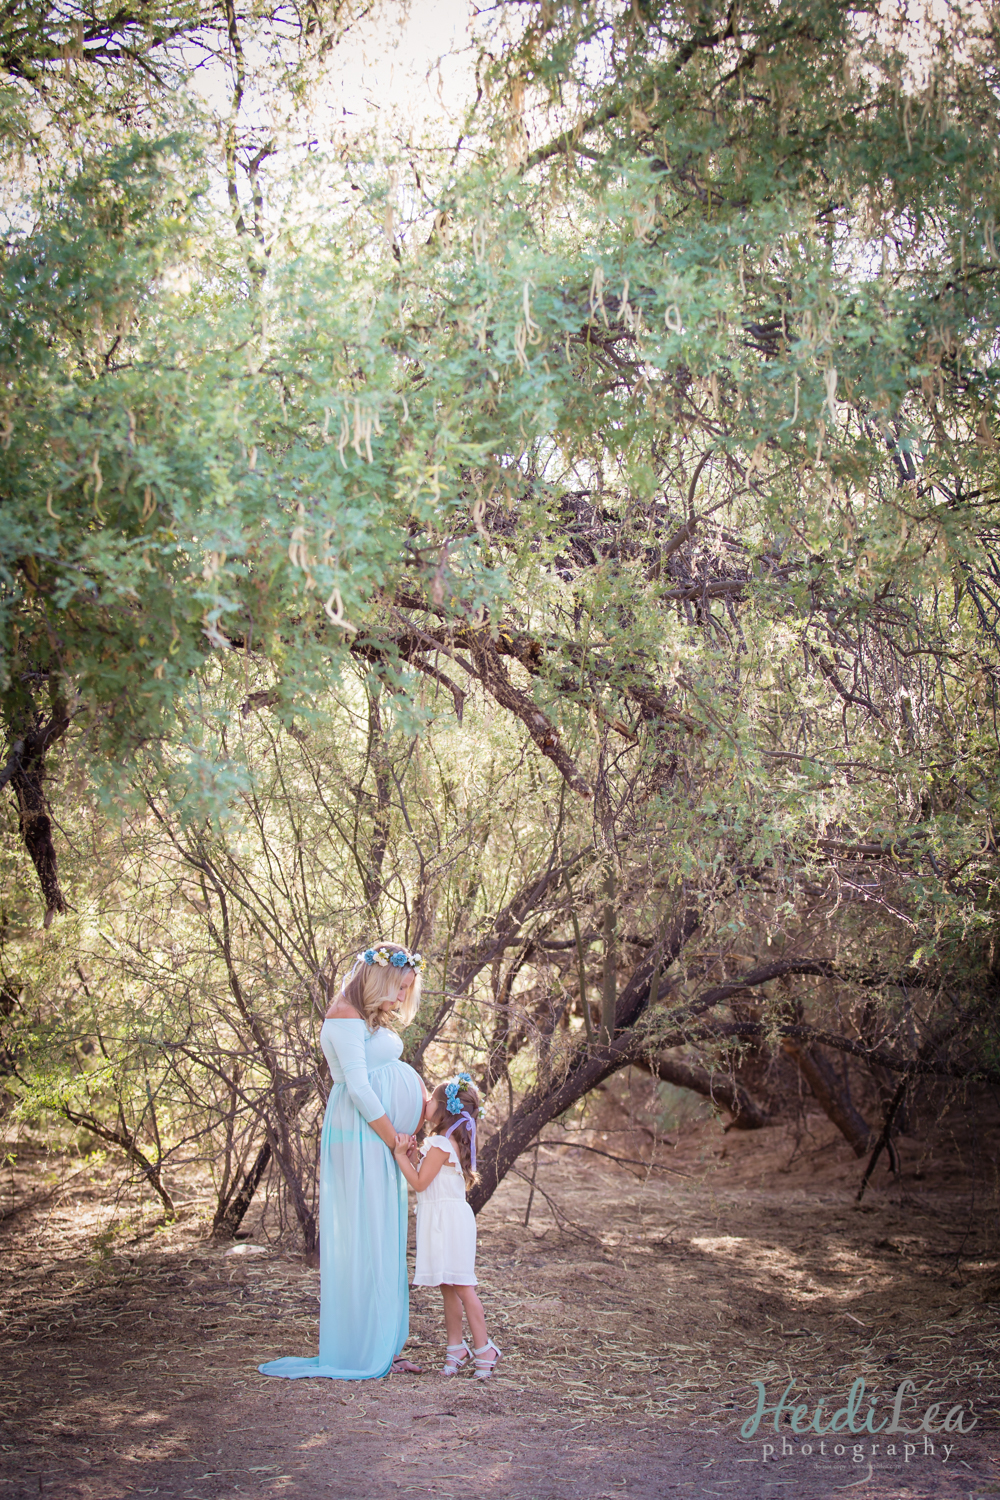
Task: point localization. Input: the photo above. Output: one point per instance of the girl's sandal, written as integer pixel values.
(484, 1365)
(456, 1355)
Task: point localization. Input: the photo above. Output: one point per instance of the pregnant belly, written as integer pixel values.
(398, 1087)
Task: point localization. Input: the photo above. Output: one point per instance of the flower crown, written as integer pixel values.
(451, 1093)
(456, 1107)
(399, 960)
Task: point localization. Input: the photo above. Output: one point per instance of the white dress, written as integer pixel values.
(446, 1225)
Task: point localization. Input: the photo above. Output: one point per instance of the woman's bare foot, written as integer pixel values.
(401, 1366)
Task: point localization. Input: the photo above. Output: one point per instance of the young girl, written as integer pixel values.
(446, 1225)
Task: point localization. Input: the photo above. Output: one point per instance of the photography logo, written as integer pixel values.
(858, 1430)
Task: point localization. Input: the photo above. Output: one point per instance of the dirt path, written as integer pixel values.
(634, 1316)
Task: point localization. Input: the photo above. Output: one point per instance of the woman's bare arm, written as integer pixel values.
(383, 1128)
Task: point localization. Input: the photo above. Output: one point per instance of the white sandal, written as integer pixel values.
(484, 1366)
(456, 1356)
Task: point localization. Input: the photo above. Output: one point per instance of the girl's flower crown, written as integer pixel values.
(456, 1107)
(451, 1089)
(399, 960)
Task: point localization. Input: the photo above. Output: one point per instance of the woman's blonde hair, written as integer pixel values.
(368, 986)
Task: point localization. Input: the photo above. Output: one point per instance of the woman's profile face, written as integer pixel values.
(405, 980)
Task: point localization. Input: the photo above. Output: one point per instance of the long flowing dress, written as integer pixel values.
(364, 1318)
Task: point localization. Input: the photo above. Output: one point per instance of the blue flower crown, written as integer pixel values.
(451, 1099)
(400, 960)
(456, 1107)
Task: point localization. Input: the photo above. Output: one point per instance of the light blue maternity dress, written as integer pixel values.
(364, 1318)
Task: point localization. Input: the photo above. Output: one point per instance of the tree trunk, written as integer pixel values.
(581, 965)
(25, 770)
(873, 1035)
(609, 994)
(381, 812)
(228, 1219)
(719, 1087)
(884, 1141)
(589, 1067)
(825, 1085)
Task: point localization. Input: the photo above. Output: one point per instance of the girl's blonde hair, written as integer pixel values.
(468, 1097)
(368, 986)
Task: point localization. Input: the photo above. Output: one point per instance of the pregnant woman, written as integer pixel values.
(364, 1318)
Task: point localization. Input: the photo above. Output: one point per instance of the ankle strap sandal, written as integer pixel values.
(484, 1364)
(456, 1355)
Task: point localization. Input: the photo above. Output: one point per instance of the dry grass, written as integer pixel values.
(634, 1312)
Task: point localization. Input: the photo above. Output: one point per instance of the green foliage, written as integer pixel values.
(644, 454)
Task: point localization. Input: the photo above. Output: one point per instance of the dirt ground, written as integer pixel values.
(634, 1311)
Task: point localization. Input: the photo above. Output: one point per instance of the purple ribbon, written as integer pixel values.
(467, 1118)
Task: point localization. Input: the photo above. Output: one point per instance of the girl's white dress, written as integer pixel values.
(446, 1225)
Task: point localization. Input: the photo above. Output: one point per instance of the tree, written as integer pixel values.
(658, 421)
